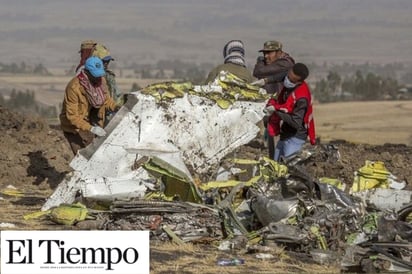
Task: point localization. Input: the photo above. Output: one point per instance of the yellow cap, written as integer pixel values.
(102, 52)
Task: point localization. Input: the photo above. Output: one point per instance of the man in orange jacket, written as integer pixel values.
(85, 103)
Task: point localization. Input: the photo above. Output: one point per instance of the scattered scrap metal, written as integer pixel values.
(163, 167)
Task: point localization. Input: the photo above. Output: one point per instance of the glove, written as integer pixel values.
(259, 83)
(98, 131)
(269, 110)
(262, 91)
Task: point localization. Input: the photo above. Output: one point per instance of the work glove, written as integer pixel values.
(262, 91)
(269, 110)
(98, 131)
(259, 83)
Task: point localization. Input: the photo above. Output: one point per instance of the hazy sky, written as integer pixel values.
(50, 31)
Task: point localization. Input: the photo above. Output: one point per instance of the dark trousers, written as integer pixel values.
(270, 141)
(79, 140)
(271, 147)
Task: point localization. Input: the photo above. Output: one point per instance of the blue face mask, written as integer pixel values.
(287, 83)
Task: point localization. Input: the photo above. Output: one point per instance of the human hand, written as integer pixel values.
(259, 83)
(262, 91)
(260, 59)
(98, 131)
(269, 110)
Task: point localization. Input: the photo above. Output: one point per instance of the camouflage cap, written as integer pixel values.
(87, 44)
(102, 52)
(271, 46)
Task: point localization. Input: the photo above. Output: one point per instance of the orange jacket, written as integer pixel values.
(76, 108)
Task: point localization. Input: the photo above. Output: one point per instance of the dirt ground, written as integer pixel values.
(34, 158)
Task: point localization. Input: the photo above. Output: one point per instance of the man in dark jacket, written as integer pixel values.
(271, 69)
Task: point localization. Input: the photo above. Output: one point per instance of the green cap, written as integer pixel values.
(102, 52)
(271, 46)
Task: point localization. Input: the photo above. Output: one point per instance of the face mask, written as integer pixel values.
(287, 83)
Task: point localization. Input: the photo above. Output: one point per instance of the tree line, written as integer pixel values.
(25, 102)
(346, 82)
(357, 87)
(14, 68)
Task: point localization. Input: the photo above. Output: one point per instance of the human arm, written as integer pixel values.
(110, 102)
(296, 118)
(211, 76)
(113, 88)
(276, 78)
(76, 107)
(259, 66)
(274, 72)
(259, 83)
(270, 107)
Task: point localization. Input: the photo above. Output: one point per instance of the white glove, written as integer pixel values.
(262, 91)
(98, 131)
(269, 110)
(259, 83)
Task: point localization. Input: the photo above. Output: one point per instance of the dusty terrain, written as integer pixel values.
(34, 158)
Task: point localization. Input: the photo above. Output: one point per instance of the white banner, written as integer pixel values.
(80, 252)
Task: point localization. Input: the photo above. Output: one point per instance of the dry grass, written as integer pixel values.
(189, 258)
(365, 122)
(50, 89)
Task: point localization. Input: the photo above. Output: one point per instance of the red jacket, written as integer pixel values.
(302, 91)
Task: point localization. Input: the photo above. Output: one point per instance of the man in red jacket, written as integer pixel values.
(291, 114)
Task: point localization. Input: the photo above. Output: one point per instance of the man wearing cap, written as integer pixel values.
(271, 69)
(104, 54)
(86, 49)
(86, 100)
(234, 62)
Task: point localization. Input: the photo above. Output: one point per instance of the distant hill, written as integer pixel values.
(144, 31)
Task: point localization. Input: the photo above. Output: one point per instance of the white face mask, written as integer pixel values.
(287, 83)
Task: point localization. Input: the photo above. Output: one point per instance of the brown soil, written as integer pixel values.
(34, 158)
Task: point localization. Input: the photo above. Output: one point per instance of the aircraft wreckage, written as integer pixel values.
(164, 167)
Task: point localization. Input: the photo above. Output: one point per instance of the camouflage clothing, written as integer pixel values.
(240, 71)
(114, 94)
(271, 46)
(113, 89)
(102, 52)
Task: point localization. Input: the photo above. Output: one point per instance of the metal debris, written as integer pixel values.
(167, 173)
